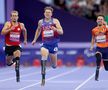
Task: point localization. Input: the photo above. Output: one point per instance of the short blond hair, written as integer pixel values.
(48, 8)
(14, 11)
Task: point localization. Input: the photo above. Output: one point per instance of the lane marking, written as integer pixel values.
(51, 78)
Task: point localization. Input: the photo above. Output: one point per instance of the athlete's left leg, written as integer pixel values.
(17, 55)
(98, 62)
(53, 58)
(44, 56)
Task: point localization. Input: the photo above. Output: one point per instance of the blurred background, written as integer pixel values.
(77, 18)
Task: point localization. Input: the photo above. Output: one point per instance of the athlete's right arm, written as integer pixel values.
(92, 42)
(6, 29)
(37, 33)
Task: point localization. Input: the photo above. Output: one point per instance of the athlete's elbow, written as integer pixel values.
(2, 33)
(61, 33)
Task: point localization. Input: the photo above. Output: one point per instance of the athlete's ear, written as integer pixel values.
(51, 14)
(44, 13)
(11, 17)
(18, 17)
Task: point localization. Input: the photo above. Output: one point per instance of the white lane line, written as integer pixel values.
(51, 78)
(25, 75)
(82, 84)
(85, 82)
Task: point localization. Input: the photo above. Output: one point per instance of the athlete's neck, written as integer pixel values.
(99, 25)
(47, 19)
(14, 23)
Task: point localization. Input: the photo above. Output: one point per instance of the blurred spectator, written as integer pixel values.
(105, 10)
(89, 9)
(85, 8)
(49, 2)
(69, 64)
(60, 4)
(80, 61)
(69, 3)
(36, 62)
(75, 9)
(59, 62)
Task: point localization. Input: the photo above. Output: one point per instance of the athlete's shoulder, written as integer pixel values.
(22, 24)
(40, 21)
(55, 19)
(8, 24)
(95, 29)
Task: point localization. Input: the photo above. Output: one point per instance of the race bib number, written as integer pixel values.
(101, 38)
(14, 36)
(49, 33)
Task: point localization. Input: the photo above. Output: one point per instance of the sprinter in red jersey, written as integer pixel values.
(12, 31)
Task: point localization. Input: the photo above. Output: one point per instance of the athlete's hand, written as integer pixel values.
(25, 42)
(53, 28)
(12, 28)
(91, 48)
(33, 42)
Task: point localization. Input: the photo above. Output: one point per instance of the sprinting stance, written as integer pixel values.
(50, 29)
(12, 31)
(100, 36)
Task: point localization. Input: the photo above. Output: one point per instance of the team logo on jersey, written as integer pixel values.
(18, 29)
(96, 33)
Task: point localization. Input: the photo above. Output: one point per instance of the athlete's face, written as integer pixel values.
(14, 17)
(48, 14)
(100, 20)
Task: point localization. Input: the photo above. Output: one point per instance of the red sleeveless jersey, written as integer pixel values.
(13, 37)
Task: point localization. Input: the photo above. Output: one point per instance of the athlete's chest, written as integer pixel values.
(47, 26)
(17, 29)
(101, 31)
(15, 34)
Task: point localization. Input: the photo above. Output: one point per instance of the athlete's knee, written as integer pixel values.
(98, 56)
(43, 58)
(44, 51)
(17, 53)
(16, 59)
(98, 59)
